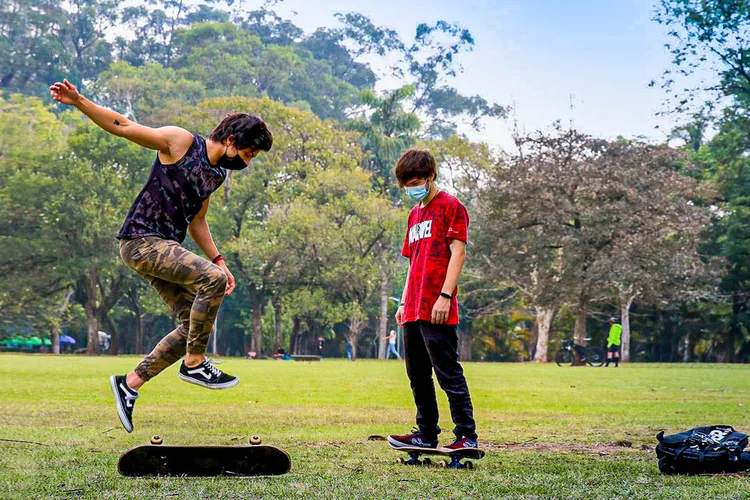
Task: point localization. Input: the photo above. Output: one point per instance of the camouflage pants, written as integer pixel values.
(192, 287)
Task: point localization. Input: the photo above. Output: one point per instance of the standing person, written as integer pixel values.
(435, 245)
(613, 341)
(174, 201)
(391, 338)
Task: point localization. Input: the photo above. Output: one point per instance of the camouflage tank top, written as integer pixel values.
(173, 195)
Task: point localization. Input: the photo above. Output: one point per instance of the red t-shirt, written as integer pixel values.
(427, 246)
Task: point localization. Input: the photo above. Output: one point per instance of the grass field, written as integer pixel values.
(551, 431)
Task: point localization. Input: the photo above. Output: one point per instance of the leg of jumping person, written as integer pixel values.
(193, 288)
(168, 261)
(174, 345)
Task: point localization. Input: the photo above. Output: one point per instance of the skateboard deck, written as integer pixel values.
(232, 460)
(455, 456)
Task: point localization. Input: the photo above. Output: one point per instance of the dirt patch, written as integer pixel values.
(589, 449)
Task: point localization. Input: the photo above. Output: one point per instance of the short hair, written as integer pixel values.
(248, 131)
(415, 163)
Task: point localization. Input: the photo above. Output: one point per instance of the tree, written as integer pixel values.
(575, 215)
(707, 33)
(150, 94)
(153, 28)
(41, 41)
(257, 200)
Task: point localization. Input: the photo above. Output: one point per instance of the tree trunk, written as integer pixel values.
(580, 326)
(464, 343)
(625, 302)
(544, 322)
(293, 337)
(385, 286)
(138, 326)
(56, 324)
(354, 348)
(90, 287)
(55, 334)
(355, 328)
(739, 306)
(277, 312)
(257, 338)
(114, 346)
(465, 338)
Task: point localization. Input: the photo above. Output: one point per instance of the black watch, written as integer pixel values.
(446, 295)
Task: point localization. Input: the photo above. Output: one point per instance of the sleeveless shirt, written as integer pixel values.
(173, 195)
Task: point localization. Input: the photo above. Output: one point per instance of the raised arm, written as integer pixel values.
(171, 142)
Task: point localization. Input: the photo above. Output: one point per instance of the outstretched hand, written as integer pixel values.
(65, 92)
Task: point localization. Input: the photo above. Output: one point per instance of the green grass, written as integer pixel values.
(550, 430)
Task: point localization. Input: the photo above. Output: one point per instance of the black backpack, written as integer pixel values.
(710, 449)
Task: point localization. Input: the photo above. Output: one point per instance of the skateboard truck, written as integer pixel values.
(414, 459)
(456, 456)
(455, 463)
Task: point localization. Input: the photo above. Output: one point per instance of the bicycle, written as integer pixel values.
(570, 351)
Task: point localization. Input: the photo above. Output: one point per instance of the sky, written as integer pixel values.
(539, 56)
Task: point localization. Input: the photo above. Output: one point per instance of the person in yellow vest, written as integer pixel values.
(613, 342)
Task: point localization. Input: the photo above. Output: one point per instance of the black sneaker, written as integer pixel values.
(208, 376)
(124, 399)
(415, 439)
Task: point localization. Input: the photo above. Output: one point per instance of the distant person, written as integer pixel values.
(391, 337)
(174, 202)
(282, 355)
(613, 341)
(348, 350)
(435, 244)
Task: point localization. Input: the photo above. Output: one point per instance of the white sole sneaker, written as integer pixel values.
(225, 385)
(120, 411)
(398, 444)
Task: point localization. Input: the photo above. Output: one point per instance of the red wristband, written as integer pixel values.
(217, 259)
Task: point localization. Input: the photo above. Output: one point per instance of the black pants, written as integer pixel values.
(428, 346)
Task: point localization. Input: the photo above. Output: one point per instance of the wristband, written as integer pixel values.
(217, 259)
(446, 295)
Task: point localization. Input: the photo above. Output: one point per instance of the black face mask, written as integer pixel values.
(232, 162)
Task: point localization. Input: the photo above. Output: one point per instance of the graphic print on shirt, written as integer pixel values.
(420, 230)
(430, 231)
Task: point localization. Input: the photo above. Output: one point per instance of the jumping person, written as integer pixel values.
(174, 201)
(391, 338)
(613, 341)
(435, 245)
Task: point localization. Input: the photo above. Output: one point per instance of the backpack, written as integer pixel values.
(710, 449)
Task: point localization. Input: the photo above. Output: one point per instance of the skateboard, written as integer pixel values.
(456, 456)
(156, 459)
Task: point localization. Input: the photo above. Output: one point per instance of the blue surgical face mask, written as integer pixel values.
(417, 193)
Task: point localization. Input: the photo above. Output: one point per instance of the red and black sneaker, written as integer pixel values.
(416, 439)
(460, 444)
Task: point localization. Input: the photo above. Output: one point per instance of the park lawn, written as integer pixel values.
(551, 431)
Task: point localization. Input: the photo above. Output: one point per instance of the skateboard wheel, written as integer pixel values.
(156, 440)
(469, 464)
(255, 439)
(443, 464)
(400, 460)
(427, 461)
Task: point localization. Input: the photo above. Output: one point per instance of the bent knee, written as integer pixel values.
(216, 279)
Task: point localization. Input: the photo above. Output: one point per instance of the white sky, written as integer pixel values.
(538, 55)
